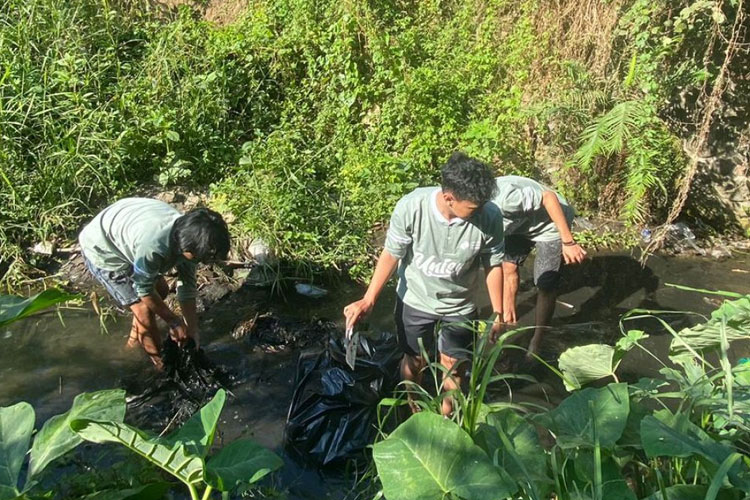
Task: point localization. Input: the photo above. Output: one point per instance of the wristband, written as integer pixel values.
(570, 243)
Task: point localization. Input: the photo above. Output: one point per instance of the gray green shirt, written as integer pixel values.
(520, 200)
(133, 233)
(440, 259)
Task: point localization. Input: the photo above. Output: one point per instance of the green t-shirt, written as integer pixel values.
(520, 200)
(440, 259)
(134, 233)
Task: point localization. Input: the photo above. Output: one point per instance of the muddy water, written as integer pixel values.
(46, 362)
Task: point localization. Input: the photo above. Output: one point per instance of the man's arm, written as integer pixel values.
(510, 290)
(190, 313)
(383, 270)
(572, 251)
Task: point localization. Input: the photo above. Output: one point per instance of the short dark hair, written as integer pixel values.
(468, 179)
(203, 233)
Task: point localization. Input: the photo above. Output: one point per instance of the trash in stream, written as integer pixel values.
(334, 409)
(189, 380)
(312, 291)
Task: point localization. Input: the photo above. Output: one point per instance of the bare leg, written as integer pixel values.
(545, 309)
(146, 332)
(451, 381)
(411, 370)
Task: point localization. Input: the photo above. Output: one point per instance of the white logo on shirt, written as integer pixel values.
(433, 268)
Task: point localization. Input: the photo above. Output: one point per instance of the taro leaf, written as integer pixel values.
(16, 426)
(526, 461)
(197, 434)
(241, 462)
(13, 308)
(689, 492)
(707, 336)
(430, 457)
(583, 364)
(631, 436)
(56, 437)
(152, 491)
(572, 422)
(671, 439)
(614, 486)
(176, 460)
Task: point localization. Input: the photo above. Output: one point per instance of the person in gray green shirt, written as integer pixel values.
(535, 216)
(129, 246)
(438, 238)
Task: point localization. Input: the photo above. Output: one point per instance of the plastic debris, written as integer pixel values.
(646, 235)
(312, 291)
(681, 233)
(333, 414)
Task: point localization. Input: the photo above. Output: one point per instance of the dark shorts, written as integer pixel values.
(547, 263)
(455, 332)
(119, 284)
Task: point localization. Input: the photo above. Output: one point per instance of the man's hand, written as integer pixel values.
(573, 254)
(496, 329)
(356, 310)
(178, 331)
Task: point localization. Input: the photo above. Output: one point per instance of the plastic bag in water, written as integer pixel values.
(333, 414)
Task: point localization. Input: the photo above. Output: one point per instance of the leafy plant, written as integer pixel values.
(14, 308)
(53, 440)
(184, 453)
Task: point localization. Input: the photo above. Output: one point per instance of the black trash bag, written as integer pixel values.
(168, 399)
(333, 414)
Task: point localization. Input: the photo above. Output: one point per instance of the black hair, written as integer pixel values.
(468, 179)
(203, 233)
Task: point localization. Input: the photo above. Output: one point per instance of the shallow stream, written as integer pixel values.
(47, 362)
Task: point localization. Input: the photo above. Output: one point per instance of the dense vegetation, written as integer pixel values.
(310, 118)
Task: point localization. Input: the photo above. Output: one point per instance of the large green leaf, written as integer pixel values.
(56, 437)
(241, 462)
(525, 459)
(176, 460)
(707, 336)
(689, 492)
(13, 308)
(571, 422)
(153, 491)
(197, 434)
(614, 486)
(430, 457)
(583, 364)
(671, 439)
(16, 426)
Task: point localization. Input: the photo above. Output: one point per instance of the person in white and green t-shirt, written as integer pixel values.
(129, 246)
(535, 216)
(438, 238)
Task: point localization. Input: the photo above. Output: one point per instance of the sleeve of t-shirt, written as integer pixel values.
(522, 200)
(145, 271)
(186, 284)
(399, 236)
(493, 249)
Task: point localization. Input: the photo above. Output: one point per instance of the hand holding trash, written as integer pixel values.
(178, 331)
(356, 311)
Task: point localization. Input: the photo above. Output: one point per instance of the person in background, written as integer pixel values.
(438, 237)
(534, 216)
(129, 246)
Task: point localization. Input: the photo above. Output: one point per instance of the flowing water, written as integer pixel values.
(46, 361)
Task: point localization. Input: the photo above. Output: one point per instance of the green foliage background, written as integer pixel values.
(310, 118)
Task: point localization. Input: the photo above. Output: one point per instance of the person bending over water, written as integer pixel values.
(438, 237)
(129, 246)
(535, 216)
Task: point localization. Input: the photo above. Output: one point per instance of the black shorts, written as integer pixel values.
(547, 263)
(456, 333)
